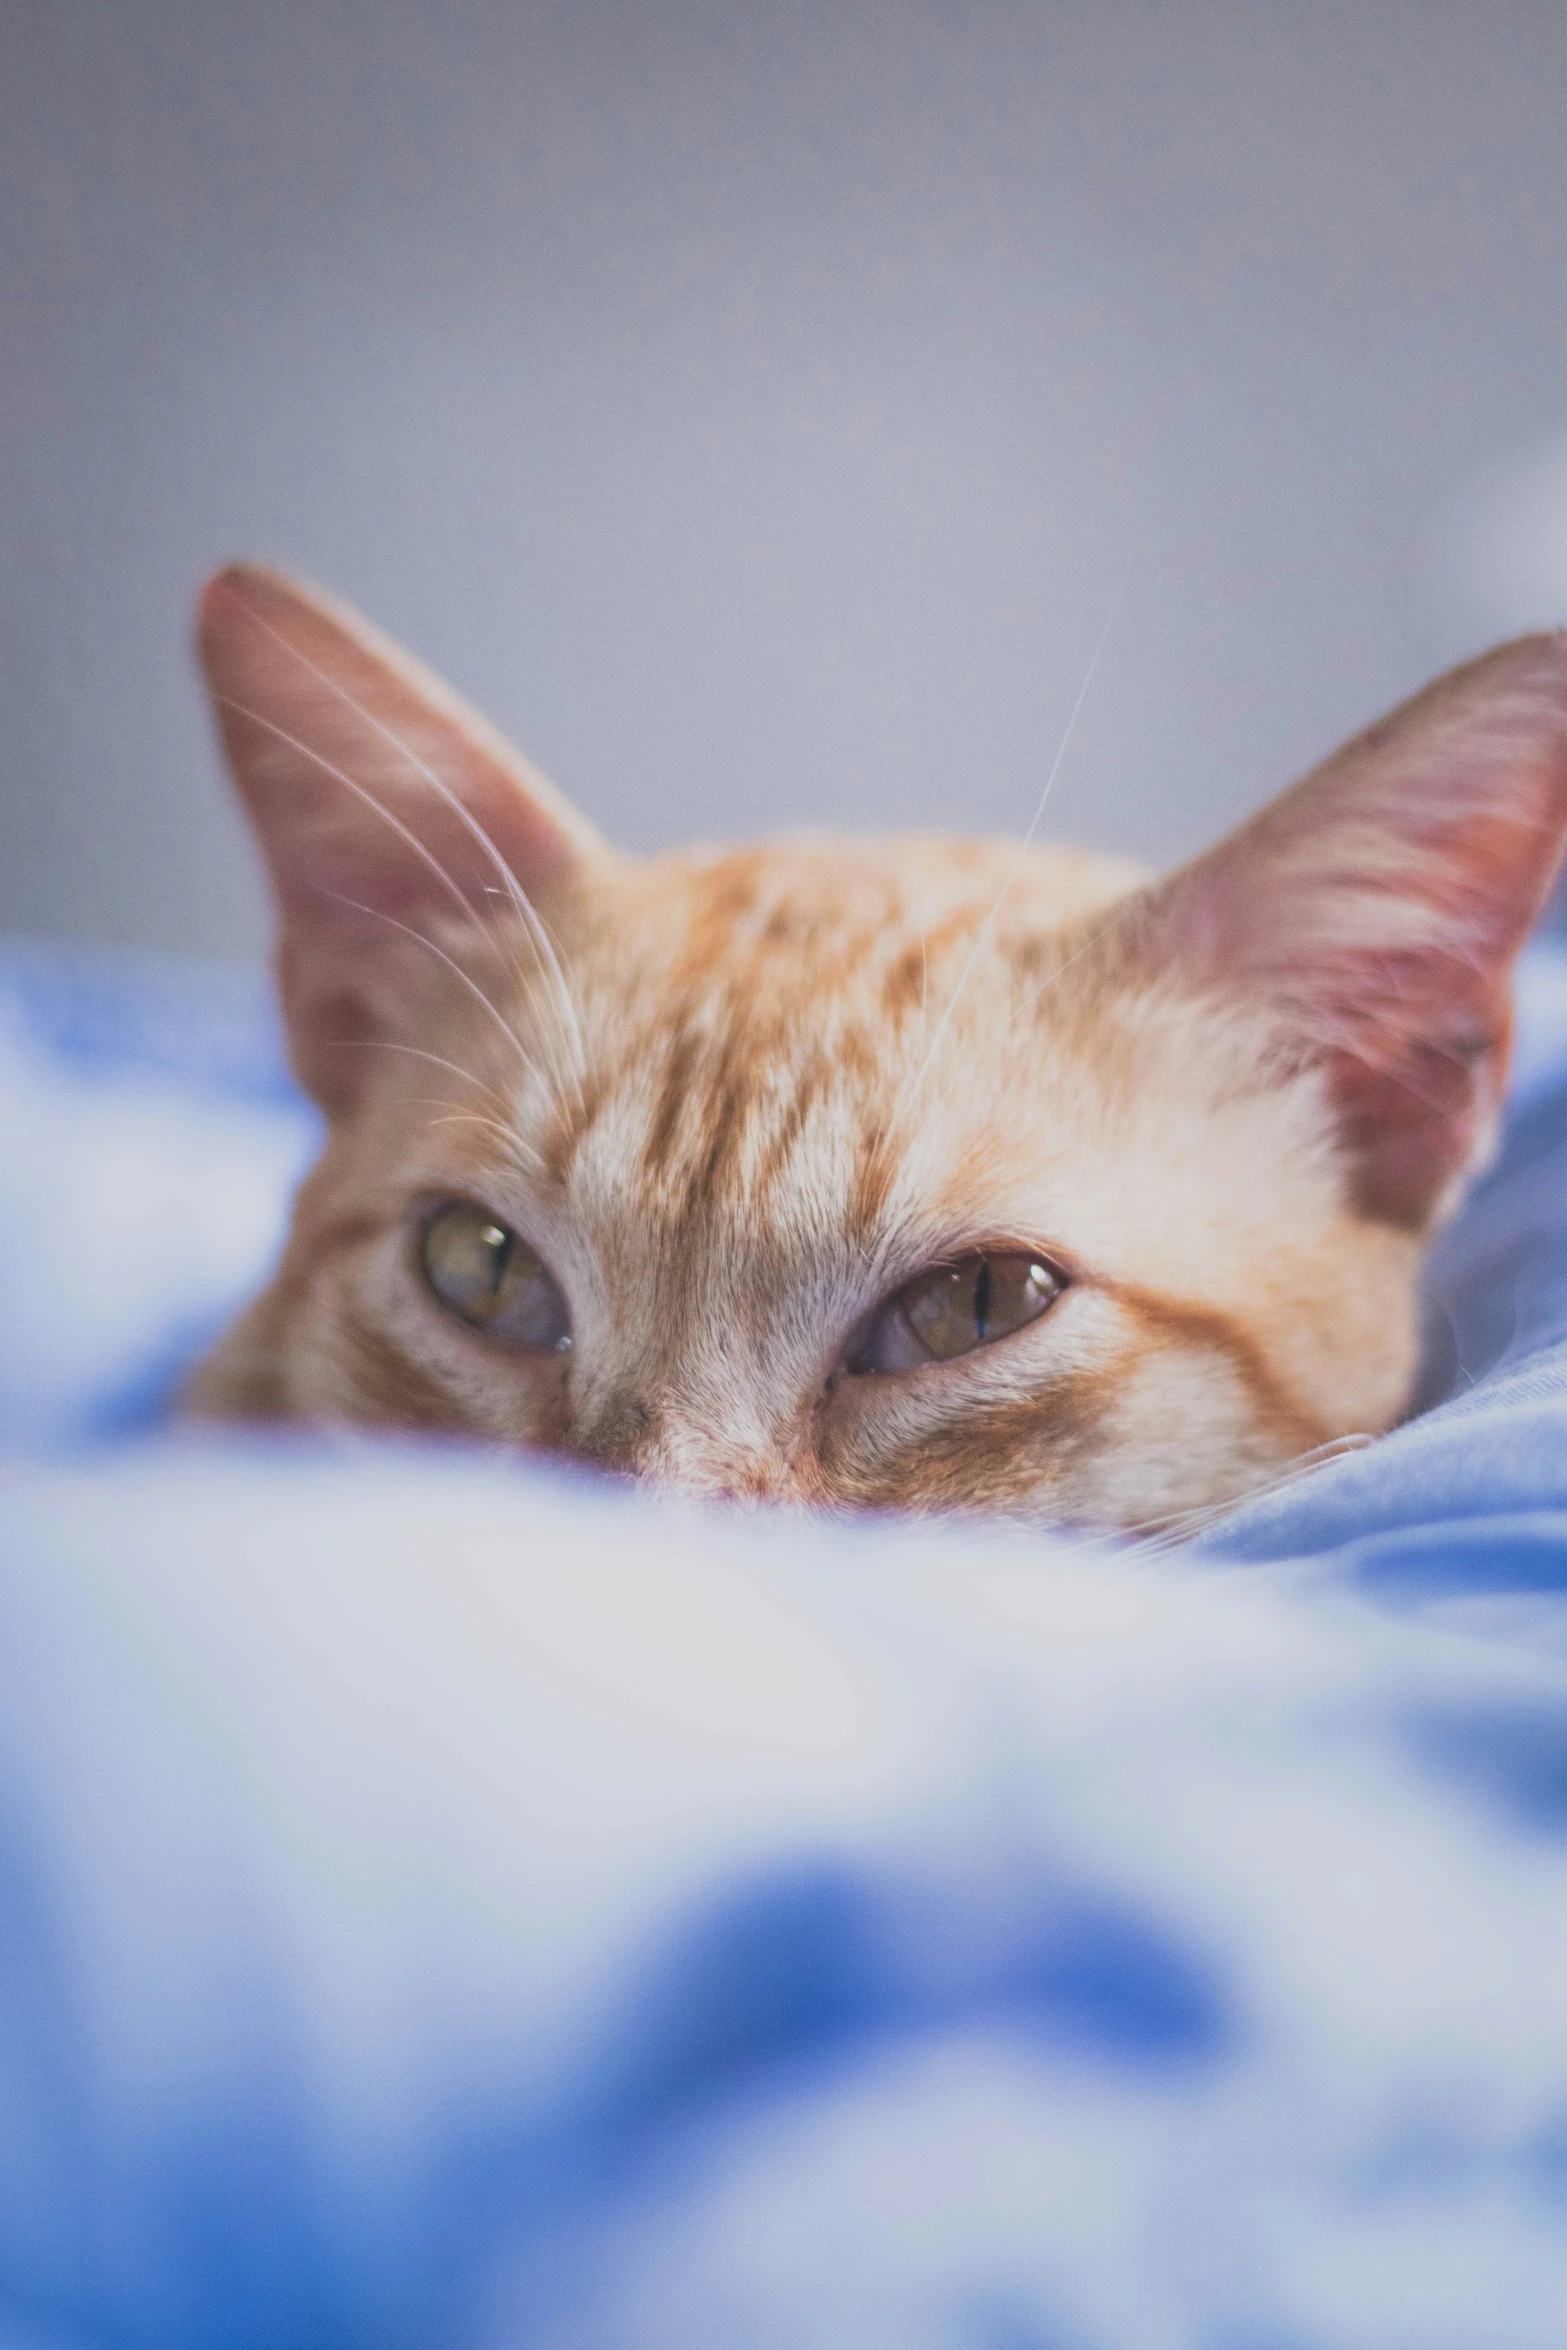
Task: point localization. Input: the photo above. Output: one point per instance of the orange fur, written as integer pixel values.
(734, 1099)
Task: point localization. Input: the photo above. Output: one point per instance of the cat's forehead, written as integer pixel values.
(767, 1030)
(831, 920)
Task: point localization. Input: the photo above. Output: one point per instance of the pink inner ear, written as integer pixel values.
(384, 805)
(360, 766)
(1379, 906)
(1410, 1131)
(398, 828)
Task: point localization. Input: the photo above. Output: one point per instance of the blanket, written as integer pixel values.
(446, 1901)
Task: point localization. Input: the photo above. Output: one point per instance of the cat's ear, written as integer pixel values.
(1378, 906)
(387, 809)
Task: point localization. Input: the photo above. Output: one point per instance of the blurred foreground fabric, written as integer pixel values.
(446, 1903)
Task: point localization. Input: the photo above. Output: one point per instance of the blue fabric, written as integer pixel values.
(449, 1903)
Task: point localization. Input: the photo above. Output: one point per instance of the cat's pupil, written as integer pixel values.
(499, 1242)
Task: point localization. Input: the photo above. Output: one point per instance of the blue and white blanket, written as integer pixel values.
(448, 1904)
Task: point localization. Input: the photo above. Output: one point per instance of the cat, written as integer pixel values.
(917, 1173)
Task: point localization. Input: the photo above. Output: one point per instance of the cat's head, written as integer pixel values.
(918, 1172)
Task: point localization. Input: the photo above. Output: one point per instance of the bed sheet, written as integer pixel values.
(444, 1901)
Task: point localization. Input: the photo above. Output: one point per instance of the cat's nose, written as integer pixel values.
(617, 1435)
(663, 1446)
(712, 1472)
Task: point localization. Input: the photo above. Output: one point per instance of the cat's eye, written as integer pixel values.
(955, 1308)
(479, 1268)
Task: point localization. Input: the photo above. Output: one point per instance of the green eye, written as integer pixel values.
(953, 1309)
(487, 1276)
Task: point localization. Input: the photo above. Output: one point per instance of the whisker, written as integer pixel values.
(378, 914)
(1303, 1465)
(339, 775)
(516, 1148)
(425, 854)
(565, 1065)
(1101, 930)
(1172, 1527)
(987, 928)
(550, 1025)
(563, 985)
(522, 903)
(385, 1044)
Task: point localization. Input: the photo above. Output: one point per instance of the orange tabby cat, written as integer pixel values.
(920, 1172)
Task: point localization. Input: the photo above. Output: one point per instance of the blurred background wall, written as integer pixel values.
(761, 410)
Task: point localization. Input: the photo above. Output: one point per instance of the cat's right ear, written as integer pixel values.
(388, 810)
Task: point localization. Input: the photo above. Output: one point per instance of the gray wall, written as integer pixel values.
(759, 410)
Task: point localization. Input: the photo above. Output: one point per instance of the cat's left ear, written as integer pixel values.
(1376, 909)
(386, 808)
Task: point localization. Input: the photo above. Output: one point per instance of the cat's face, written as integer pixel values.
(915, 1173)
